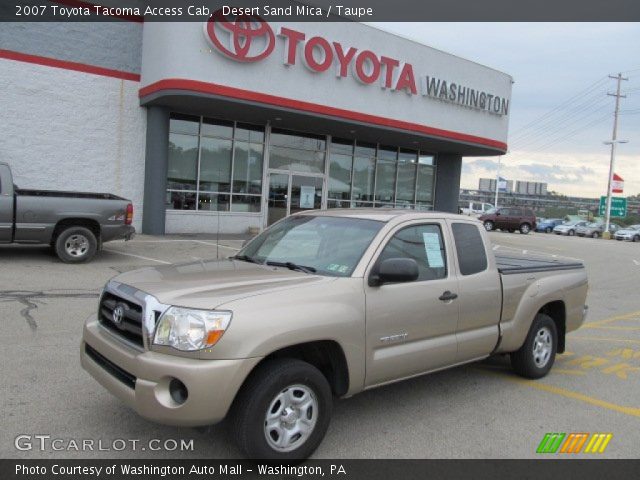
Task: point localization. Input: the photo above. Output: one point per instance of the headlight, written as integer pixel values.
(186, 329)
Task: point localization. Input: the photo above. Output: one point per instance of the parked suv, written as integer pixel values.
(510, 219)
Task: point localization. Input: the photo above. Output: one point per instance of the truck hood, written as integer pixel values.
(207, 284)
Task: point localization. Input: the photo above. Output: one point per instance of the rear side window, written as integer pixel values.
(422, 243)
(470, 248)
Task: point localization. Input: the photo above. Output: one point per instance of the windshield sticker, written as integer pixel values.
(432, 247)
(335, 267)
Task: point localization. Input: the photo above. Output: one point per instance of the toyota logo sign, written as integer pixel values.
(118, 315)
(247, 38)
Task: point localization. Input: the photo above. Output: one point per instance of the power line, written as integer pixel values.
(557, 129)
(571, 134)
(537, 120)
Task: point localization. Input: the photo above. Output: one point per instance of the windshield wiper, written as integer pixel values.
(246, 258)
(293, 266)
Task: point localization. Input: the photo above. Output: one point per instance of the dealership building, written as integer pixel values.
(226, 125)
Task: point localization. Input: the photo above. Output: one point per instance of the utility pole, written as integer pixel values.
(495, 203)
(614, 141)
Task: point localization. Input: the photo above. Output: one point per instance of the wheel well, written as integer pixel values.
(326, 355)
(92, 225)
(557, 311)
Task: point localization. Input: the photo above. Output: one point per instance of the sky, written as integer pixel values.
(560, 114)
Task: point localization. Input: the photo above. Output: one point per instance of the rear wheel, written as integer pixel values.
(536, 356)
(525, 228)
(75, 244)
(488, 225)
(283, 411)
(636, 238)
(571, 233)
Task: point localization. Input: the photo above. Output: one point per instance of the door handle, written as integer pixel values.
(446, 296)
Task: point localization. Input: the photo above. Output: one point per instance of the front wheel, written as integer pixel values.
(488, 225)
(75, 244)
(536, 356)
(571, 233)
(525, 228)
(283, 411)
(636, 238)
(547, 230)
(595, 235)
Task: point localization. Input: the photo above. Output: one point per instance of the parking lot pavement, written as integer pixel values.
(480, 410)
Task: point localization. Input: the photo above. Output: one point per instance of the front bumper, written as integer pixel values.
(141, 379)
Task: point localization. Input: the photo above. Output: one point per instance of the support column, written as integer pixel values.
(448, 171)
(155, 171)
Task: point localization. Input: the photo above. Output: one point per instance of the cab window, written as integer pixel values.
(422, 243)
(470, 248)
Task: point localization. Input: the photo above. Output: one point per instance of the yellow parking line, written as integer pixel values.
(605, 339)
(611, 327)
(624, 316)
(634, 412)
(568, 372)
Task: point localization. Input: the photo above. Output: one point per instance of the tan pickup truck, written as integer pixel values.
(323, 304)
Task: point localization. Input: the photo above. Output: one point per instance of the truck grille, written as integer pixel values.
(122, 317)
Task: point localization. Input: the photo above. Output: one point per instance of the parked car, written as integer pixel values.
(595, 230)
(75, 224)
(270, 336)
(568, 228)
(510, 219)
(475, 208)
(547, 225)
(630, 234)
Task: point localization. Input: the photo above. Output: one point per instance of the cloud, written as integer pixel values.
(557, 173)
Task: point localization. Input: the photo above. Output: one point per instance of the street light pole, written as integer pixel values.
(613, 143)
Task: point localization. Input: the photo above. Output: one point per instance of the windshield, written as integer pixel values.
(633, 227)
(325, 245)
(593, 224)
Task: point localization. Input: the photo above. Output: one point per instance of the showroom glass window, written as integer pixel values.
(296, 151)
(214, 165)
(366, 175)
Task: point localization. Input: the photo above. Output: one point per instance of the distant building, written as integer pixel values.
(531, 188)
(489, 185)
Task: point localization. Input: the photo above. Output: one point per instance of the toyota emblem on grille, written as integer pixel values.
(118, 315)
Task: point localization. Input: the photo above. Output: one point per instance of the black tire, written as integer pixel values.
(511, 230)
(547, 230)
(525, 228)
(75, 244)
(571, 233)
(636, 238)
(530, 363)
(248, 417)
(595, 235)
(488, 225)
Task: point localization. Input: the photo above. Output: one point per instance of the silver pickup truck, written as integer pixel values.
(75, 224)
(323, 304)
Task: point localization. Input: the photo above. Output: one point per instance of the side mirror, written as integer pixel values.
(394, 270)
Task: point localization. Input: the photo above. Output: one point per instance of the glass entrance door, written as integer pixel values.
(291, 193)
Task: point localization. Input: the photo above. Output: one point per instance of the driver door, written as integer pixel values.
(409, 329)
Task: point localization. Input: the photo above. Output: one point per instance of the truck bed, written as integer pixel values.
(512, 263)
(58, 193)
